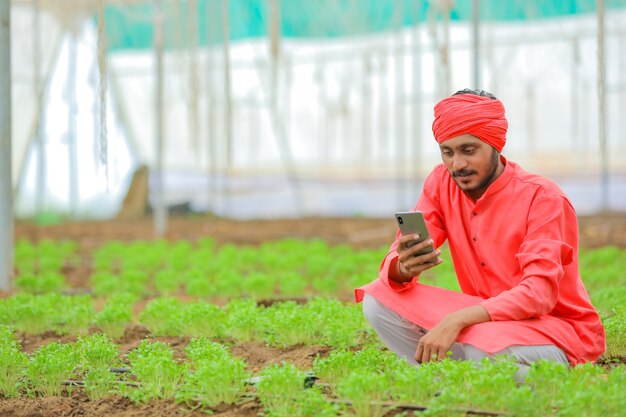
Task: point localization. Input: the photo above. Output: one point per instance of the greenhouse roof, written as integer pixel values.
(131, 27)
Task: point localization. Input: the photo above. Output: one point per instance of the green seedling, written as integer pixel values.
(33, 314)
(155, 368)
(167, 282)
(615, 328)
(12, 364)
(228, 282)
(163, 317)
(97, 351)
(292, 284)
(326, 286)
(100, 383)
(244, 320)
(49, 366)
(288, 324)
(365, 389)
(98, 354)
(134, 281)
(75, 315)
(259, 285)
(198, 284)
(105, 283)
(116, 314)
(203, 320)
(42, 283)
(281, 391)
(217, 377)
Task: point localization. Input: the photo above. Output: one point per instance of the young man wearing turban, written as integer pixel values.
(513, 237)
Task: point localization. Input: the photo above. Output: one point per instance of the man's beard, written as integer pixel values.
(489, 178)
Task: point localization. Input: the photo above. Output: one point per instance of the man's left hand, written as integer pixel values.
(435, 344)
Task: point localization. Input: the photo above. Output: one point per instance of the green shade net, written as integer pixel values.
(131, 27)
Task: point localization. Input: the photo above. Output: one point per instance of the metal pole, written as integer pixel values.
(194, 116)
(40, 125)
(400, 120)
(227, 85)
(160, 215)
(476, 42)
(575, 103)
(277, 120)
(72, 108)
(417, 92)
(622, 81)
(445, 54)
(6, 186)
(604, 163)
(211, 20)
(228, 114)
(366, 115)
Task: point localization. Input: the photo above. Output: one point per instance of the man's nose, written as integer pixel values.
(458, 162)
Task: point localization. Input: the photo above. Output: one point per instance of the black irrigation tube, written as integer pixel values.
(309, 381)
(406, 406)
(416, 407)
(74, 383)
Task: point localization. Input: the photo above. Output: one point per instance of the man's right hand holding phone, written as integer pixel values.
(410, 262)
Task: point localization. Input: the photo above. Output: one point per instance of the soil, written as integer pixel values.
(598, 230)
(595, 231)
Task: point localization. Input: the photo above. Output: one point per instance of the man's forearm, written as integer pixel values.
(469, 316)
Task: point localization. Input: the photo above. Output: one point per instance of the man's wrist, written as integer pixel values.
(396, 275)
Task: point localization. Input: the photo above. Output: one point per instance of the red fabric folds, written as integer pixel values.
(480, 116)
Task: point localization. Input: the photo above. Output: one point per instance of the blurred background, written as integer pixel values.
(251, 109)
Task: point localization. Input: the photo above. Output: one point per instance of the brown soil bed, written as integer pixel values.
(598, 230)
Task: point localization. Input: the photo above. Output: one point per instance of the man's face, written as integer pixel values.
(472, 163)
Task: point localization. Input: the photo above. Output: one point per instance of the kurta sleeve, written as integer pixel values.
(542, 256)
(427, 204)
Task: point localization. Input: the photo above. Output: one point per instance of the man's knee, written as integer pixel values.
(472, 353)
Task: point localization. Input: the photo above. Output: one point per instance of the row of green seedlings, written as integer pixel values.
(284, 268)
(373, 382)
(368, 382)
(286, 323)
(602, 268)
(39, 265)
(211, 376)
(44, 256)
(283, 323)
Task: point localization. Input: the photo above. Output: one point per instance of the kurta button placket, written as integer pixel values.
(482, 264)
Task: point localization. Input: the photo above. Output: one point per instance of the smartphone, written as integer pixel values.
(412, 222)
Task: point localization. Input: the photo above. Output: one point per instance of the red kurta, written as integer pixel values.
(515, 252)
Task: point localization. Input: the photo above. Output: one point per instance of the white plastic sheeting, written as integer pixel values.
(354, 110)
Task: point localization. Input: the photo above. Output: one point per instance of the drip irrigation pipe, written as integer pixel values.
(309, 381)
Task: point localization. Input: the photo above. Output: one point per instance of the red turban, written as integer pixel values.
(480, 116)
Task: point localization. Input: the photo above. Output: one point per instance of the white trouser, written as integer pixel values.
(401, 337)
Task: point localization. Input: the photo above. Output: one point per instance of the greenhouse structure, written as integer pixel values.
(183, 162)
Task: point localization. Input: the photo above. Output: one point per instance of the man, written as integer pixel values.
(513, 237)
